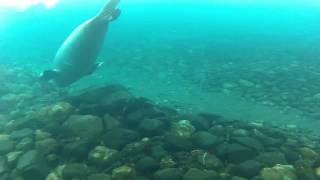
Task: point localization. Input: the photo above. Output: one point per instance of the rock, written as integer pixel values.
(205, 140)
(110, 122)
(183, 128)
(147, 165)
(47, 146)
(53, 113)
(239, 178)
(168, 174)
(102, 155)
(12, 157)
(158, 152)
(41, 135)
(279, 172)
(240, 133)
(151, 127)
(75, 170)
(6, 146)
(32, 165)
(23, 133)
(86, 127)
(77, 149)
(100, 176)
(272, 158)
(308, 153)
(249, 142)
(25, 144)
(123, 173)
(248, 168)
(177, 143)
(198, 122)
(218, 130)
(3, 166)
(207, 160)
(119, 137)
(167, 162)
(235, 153)
(197, 174)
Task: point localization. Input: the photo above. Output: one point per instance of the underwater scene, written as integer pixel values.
(159, 90)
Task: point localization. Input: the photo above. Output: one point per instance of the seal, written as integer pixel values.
(77, 56)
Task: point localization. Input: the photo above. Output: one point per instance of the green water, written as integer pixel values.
(181, 54)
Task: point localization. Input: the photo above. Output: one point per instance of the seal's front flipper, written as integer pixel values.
(115, 15)
(95, 67)
(48, 75)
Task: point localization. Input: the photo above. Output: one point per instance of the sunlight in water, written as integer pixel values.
(25, 4)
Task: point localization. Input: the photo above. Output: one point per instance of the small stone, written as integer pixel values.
(308, 153)
(75, 170)
(248, 168)
(32, 166)
(235, 153)
(279, 172)
(168, 174)
(100, 176)
(110, 122)
(86, 127)
(151, 127)
(23, 133)
(47, 146)
(272, 158)
(123, 173)
(6, 146)
(25, 144)
(12, 157)
(167, 162)
(147, 164)
(119, 137)
(183, 128)
(102, 155)
(41, 135)
(197, 174)
(205, 140)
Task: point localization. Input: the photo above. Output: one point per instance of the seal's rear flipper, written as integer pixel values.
(48, 75)
(109, 12)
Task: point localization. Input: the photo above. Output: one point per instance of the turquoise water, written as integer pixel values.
(182, 47)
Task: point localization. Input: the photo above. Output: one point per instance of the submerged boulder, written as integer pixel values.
(86, 127)
(32, 165)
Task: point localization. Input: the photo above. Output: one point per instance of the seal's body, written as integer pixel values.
(78, 54)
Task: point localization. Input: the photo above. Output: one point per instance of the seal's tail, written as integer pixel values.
(110, 11)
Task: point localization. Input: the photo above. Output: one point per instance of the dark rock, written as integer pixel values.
(168, 174)
(235, 153)
(158, 152)
(77, 149)
(86, 127)
(291, 155)
(110, 122)
(205, 140)
(75, 170)
(100, 176)
(197, 174)
(177, 143)
(151, 127)
(6, 146)
(3, 165)
(23, 133)
(238, 178)
(249, 142)
(25, 144)
(32, 165)
(218, 130)
(118, 138)
(270, 159)
(209, 161)
(248, 168)
(200, 123)
(147, 164)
